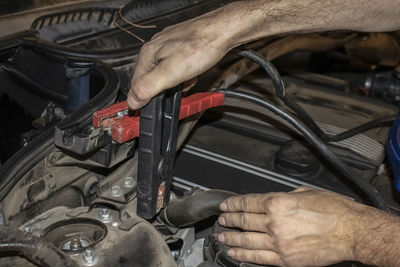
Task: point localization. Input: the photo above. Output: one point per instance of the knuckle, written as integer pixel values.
(258, 258)
(240, 254)
(242, 202)
(244, 221)
(268, 244)
(148, 47)
(233, 202)
(272, 204)
(273, 227)
(282, 246)
(229, 238)
(245, 240)
(247, 203)
(278, 202)
(140, 92)
(157, 35)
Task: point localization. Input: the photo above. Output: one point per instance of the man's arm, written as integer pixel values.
(309, 227)
(183, 51)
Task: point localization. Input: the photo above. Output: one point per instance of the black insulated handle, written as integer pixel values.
(158, 131)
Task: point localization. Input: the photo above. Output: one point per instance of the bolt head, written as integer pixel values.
(129, 182)
(116, 191)
(76, 243)
(88, 257)
(89, 252)
(120, 114)
(104, 214)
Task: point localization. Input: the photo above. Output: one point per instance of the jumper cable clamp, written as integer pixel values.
(156, 125)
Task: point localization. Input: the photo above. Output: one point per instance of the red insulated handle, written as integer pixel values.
(199, 102)
(127, 128)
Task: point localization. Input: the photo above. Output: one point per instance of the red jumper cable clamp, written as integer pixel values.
(125, 126)
(157, 129)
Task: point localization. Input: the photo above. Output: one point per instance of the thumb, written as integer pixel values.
(148, 85)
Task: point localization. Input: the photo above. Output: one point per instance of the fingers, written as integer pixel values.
(262, 257)
(162, 77)
(169, 72)
(247, 240)
(245, 221)
(247, 203)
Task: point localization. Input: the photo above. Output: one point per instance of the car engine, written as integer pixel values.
(68, 190)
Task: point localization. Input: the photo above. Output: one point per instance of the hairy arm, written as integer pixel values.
(183, 51)
(309, 227)
(264, 18)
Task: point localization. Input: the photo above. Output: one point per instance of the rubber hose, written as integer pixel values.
(196, 207)
(35, 249)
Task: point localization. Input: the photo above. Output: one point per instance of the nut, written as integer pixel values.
(104, 215)
(129, 182)
(116, 191)
(89, 259)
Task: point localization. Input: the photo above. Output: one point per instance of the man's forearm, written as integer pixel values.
(254, 19)
(378, 238)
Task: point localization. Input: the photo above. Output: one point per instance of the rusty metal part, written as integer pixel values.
(376, 48)
(309, 42)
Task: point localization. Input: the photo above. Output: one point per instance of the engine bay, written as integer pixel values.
(70, 187)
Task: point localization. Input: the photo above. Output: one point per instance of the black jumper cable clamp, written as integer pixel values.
(157, 129)
(158, 134)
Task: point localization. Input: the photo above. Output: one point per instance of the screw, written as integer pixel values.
(116, 191)
(120, 114)
(75, 243)
(115, 224)
(129, 182)
(88, 255)
(104, 214)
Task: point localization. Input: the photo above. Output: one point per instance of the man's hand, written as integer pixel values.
(180, 53)
(306, 227)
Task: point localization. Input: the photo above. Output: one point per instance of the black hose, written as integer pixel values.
(35, 249)
(362, 128)
(196, 207)
(316, 142)
(280, 92)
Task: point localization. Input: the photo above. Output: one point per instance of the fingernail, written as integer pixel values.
(223, 206)
(221, 238)
(231, 253)
(221, 220)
